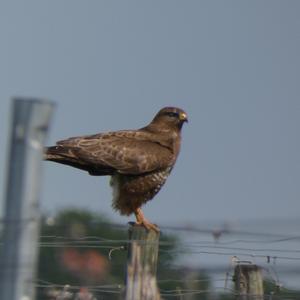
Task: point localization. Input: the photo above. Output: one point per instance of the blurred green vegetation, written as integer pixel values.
(84, 249)
(75, 249)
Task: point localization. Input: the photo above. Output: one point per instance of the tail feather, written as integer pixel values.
(64, 155)
(69, 156)
(56, 153)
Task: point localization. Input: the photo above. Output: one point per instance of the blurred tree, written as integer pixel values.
(80, 250)
(76, 246)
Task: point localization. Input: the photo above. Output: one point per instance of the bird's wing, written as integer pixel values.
(128, 152)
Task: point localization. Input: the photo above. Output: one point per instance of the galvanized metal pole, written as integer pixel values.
(30, 119)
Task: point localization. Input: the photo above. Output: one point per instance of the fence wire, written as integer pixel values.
(269, 250)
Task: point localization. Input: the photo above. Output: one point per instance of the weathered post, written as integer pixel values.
(248, 282)
(141, 283)
(19, 252)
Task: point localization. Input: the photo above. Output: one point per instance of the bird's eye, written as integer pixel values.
(172, 114)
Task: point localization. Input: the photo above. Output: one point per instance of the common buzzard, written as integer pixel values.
(138, 161)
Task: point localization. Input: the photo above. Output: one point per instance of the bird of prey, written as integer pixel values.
(138, 161)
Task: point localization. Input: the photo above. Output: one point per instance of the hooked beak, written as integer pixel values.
(183, 117)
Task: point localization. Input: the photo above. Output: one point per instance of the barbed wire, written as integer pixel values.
(188, 248)
(183, 247)
(190, 292)
(166, 293)
(223, 230)
(102, 239)
(218, 247)
(173, 293)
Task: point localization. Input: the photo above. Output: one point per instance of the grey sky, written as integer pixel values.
(232, 65)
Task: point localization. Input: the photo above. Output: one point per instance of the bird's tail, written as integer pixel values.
(56, 153)
(67, 156)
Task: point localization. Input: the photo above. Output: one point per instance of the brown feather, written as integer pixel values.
(139, 161)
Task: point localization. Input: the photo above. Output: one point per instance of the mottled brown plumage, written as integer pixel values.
(138, 161)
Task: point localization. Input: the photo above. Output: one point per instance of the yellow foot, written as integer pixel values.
(141, 220)
(148, 225)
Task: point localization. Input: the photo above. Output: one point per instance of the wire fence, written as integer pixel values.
(62, 292)
(270, 250)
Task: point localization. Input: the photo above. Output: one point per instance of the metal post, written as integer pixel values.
(30, 119)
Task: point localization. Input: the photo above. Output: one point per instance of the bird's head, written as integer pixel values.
(171, 117)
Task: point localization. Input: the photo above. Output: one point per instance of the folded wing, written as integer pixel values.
(126, 152)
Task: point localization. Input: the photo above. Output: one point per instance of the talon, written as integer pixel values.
(141, 220)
